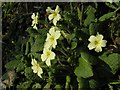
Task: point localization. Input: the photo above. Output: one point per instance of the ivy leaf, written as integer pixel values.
(84, 69)
(106, 16)
(113, 60)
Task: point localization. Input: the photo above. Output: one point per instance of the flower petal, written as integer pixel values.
(48, 37)
(54, 44)
(52, 56)
(57, 9)
(43, 57)
(98, 49)
(34, 62)
(48, 62)
(57, 34)
(99, 37)
(91, 46)
(51, 16)
(34, 69)
(49, 10)
(103, 43)
(58, 17)
(47, 44)
(40, 72)
(35, 27)
(92, 38)
(33, 16)
(52, 30)
(54, 21)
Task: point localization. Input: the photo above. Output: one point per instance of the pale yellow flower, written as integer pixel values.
(47, 56)
(110, 1)
(96, 42)
(55, 16)
(52, 36)
(36, 68)
(35, 20)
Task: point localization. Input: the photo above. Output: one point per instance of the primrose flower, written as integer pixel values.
(52, 36)
(35, 20)
(96, 42)
(36, 68)
(47, 56)
(110, 1)
(54, 14)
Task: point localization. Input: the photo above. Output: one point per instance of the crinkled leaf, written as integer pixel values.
(39, 44)
(113, 60)
(36, 85)
(107, 16)
(12, 64)
(20, 67)
(24, 85)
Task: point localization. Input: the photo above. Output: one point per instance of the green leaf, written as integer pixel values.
(38, 45)
(58, 87)
(29, 73)
(27, 48)
(93, 84)
(90, 15)
(79, 13)
(20, 67)
(37, 85)
(73, 45)
(82, 83)
(24, 85)
(32, 32)
(31, 40)
(111, 5)
(84, 69)
(12, 64)
(113, 60)
(115, 82)
(47, 85)
(85, 30)
(106, 16)
(87, 56)
(92, 29)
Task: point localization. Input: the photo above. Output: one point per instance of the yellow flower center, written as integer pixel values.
(48, 54)
(35, 20)
(54, 14)
(52, 38)
(97, 42)
(37, 66)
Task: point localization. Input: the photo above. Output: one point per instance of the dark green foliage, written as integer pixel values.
(75, 66)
